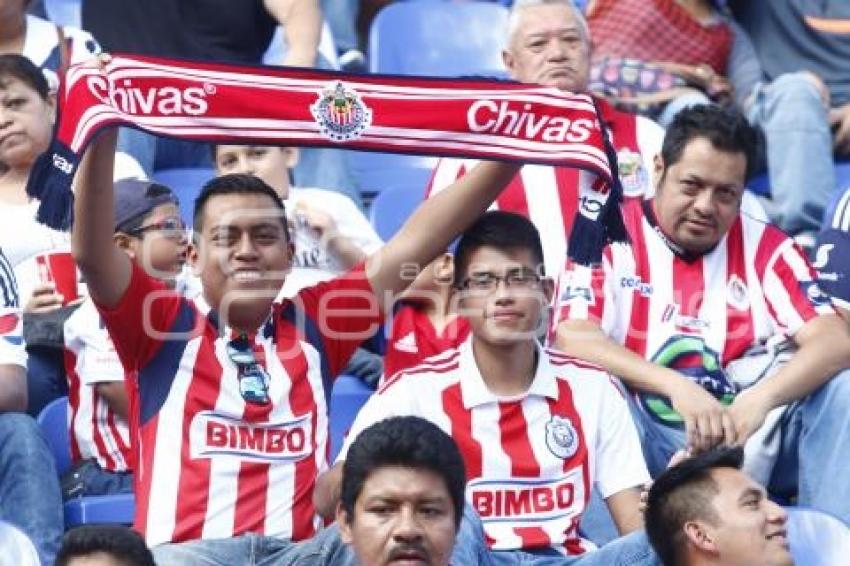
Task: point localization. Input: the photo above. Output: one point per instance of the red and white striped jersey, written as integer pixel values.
(754, 284)
(548, 196)
(531, 460)
(414, 338)
(90, 358)
(211, 465)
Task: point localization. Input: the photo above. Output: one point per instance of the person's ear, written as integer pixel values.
(291, 155)
(657, 170)
(125, 243)
(51, 105)
(342, 519)
(194, 257)
(508, 60)
(700, 536)
(548, 287)
(444, 270)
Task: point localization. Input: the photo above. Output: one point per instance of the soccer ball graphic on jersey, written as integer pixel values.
(690, 356)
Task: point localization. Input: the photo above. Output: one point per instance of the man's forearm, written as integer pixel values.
(824, 351)
(585, 340)
(345, 251)
(105, 267)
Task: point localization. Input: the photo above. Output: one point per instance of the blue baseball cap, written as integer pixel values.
(135, 198)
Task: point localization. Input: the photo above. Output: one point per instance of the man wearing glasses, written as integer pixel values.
(148, 228)
(229, 391)
(537, 429)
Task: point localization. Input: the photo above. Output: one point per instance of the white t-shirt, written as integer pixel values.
(312, 262)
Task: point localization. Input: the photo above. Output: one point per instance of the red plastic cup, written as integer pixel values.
(59, 268)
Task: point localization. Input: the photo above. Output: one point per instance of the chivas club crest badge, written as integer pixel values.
(561, 437)
(340, 113)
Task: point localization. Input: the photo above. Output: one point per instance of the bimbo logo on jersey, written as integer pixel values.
(166, 101)
(211, 434)
(511, 119)
(520, 500)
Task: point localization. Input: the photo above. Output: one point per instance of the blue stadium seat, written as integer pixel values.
(348, 395)
(119, 508)
(64, 12)
(391, 208)
(438, 39)
(376, 171)
(186, 182)
(760, 184)
(817, 538)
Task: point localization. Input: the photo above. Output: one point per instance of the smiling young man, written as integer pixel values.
(705, 511)
(537, 429)
(701, 285)
(230, 409)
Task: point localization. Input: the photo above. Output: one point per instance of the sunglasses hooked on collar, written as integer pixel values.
(253, 378)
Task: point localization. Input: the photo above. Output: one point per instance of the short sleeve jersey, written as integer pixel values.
(212, 465)
(531, 460)
(695, 314)
(414, 338)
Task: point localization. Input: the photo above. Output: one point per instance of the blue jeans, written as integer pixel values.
(799, 151)
(341, 16)
(471, 548)
(29, 488)
(814, 451)
(245, 550)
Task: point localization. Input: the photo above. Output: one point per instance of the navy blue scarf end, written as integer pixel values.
(50, 182)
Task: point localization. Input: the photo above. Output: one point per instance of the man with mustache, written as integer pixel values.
(402, 493)
(679, 314)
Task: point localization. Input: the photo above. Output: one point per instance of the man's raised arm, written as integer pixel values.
(435, 223)
(105, 267)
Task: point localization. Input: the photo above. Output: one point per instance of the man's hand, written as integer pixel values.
(678, 456)
(45, 298)
(319, 221)
(747, 412)
(839, 120)
(707, 422)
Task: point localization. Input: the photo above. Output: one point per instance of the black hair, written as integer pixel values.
(502, 230)
(20, 68)
(408, 442)
(236, 184)
(681, 494)
(123, 544)
(727, 130)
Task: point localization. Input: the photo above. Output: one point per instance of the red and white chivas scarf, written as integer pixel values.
(484, 119)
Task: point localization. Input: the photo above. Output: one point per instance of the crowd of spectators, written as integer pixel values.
(523, 403)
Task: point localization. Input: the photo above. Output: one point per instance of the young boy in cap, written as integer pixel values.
(147, 228)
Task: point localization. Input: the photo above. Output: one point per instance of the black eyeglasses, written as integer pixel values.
(253, 378)
(173, 228)
(514, 279)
